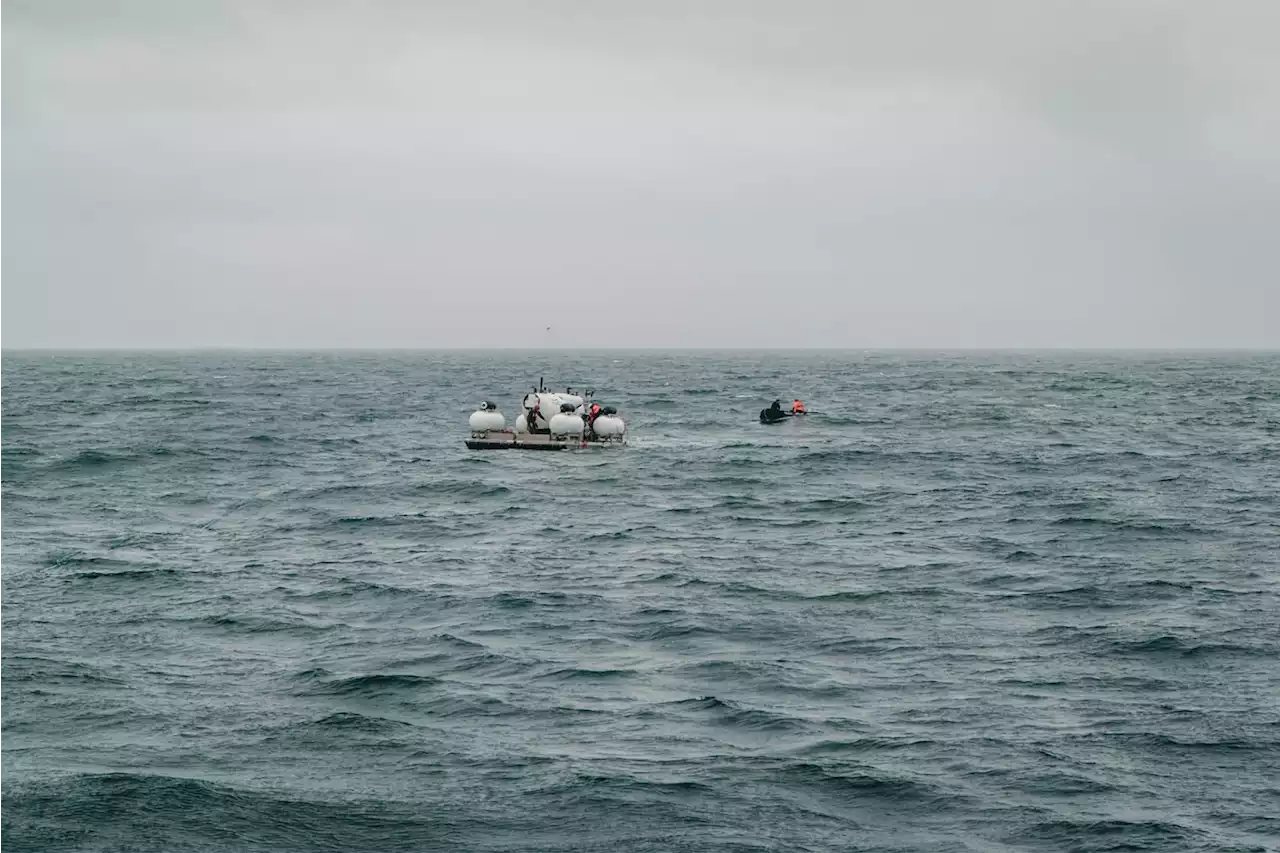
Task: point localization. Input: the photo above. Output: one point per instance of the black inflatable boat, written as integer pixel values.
(776, 416)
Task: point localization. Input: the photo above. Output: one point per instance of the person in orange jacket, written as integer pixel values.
(797, 408)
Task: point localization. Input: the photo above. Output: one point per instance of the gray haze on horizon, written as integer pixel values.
(994, 173)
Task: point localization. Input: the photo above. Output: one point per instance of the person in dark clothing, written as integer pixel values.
(531, 419)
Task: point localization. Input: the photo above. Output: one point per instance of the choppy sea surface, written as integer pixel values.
(976, 602)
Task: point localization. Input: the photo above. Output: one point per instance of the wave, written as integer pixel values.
(791, 677)
(128, 574)
(353, 588)
(314, 674)
(334, 488)
(92, 568)
(1118, 834)
(368, 686)
(1138, 684)
(139, 400)
(340, 728)
(860, 783)
(574, 673)
(419, 523)
(699, 703)
(829, 505)
(91, 459)
(741, 502)
(662, 578)
(40, 670)
(469, 707)
(1052, 635)
(1087, 596)
(464, 489)
(1262, 826)
(1161, 586)
(731, 588)
(257, 624)
(15, 452)
(865, 646)
(733, 480)
(76, 559)
(458, 642)
(1170, 645)
(659, 403)
(846, 454)
(143, 539)
(729, 714)
(176, 813)
(676, 630)
(472, 663)
(873, 594)
(784, 523)
(537, 598)
(1159, 742)
(1156, 526)
(348, 721)
(337, 441)
(624, 534)
(739, 463)
(619, 786)
(831, 746)
(1051, 783)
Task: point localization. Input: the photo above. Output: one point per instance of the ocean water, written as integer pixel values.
(976, 602)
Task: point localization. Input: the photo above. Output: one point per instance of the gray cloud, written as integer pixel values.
(661, 174)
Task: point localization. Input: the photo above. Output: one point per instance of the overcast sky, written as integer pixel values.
(983, 173)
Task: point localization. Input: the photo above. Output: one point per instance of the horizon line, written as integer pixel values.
(645, 349)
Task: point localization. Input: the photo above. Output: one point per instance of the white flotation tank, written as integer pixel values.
(487, 418)
(522, 424)
(565, 423)
(609, 426)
